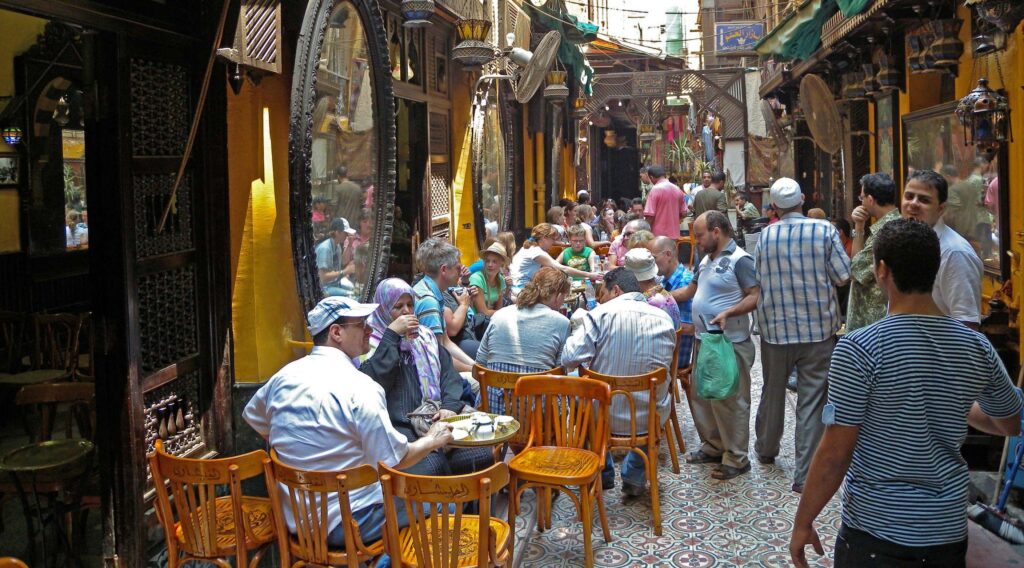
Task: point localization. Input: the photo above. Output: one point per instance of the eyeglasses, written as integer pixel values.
(360, 323)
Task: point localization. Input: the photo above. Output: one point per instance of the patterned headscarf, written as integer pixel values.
(423, 349)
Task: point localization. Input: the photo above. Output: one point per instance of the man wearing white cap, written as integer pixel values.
(799, 262)
(641, 263)
(320, 413)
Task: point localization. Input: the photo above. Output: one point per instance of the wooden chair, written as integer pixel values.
(81, 398)
(692, 243)
(238, 523)
(447, 538)
(12, 338)
(566, 448)
(555, 251)
(10, 562)
(513, 407)
(675, 377)
(85, 369)
(55, 350)
(625, 386)
(308, 494)
(602, 250)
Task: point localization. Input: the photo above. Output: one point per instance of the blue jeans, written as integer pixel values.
(371, 526)
(633, 471)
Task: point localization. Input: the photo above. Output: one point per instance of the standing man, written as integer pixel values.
(666, 205)
(799, 263)
(624, 335)
(645, 183)
(724, 291)
(348, 194)
(746, 213)
(957, 289)
(321, 413)
(897, 414)
(442, 269)
(711, 197)
(675, 276)
(877, 201)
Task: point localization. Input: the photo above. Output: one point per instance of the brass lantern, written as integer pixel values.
(985, 116)
(472, 49)
(610, 138)
(417, 13)
(1004, 14)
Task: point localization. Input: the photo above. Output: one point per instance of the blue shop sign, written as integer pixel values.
(737, 36)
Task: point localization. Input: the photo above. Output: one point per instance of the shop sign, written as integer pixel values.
(652, 85)
(737, 36)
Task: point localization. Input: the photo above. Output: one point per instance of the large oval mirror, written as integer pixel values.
(341, 151)
(492, 166)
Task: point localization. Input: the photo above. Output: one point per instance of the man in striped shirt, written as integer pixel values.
(897, 414)
(799, 263)
(624, 335)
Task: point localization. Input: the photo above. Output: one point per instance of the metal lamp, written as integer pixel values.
(985, 116)
(1004, 14)
(472, 49)
(12, 135)
(556, 88)
(417, 13)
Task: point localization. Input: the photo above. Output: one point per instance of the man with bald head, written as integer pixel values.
(675, 277)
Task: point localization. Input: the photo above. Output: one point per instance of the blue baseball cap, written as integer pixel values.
(333, 307)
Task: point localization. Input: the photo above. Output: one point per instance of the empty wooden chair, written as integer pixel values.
(566, 448)
(641, 435)
(12, 339)
(308, 494)
(81, 401)
(690, 242)
(237, 524)
(511, 405)
(439, 535)
(54, 354)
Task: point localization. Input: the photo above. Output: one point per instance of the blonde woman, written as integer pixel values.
(534, 256)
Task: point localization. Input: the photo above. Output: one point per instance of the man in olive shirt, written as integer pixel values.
(877, 200)
(711, 197)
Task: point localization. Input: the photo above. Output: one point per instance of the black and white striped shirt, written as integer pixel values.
(908, 382)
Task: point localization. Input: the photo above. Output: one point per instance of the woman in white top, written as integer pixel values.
(534, 255)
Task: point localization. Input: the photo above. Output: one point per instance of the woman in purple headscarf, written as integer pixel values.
(405, 360)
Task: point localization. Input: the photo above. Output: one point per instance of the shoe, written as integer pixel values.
(798, 487)
(606, 484)
(725, 472)
(631, 490)
(766, 460)
(701, 457)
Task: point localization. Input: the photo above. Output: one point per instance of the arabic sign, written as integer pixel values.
(649, 85)
(737, 36)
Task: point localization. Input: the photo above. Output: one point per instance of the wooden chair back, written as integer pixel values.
(437, 539)
(514, 407)
(567, 411)
(12, 340)
(625, 386)
(56, 342)
(11, 562)
(555, 251)
(85, 368)
(691, 242)
(602, 250)
(194, 486)
(677, 375)
(46, 397)
(308, 493)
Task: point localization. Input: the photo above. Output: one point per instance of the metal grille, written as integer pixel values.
(518, 23)
(168, 330)
(440, 202)
(260, 34)
(171, 415)
(152, 192)
(159, 108)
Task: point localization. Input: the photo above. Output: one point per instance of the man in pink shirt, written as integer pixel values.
(666, 204)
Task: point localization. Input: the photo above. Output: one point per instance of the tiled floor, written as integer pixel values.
(706, 522)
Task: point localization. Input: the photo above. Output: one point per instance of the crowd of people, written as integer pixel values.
(874, 407)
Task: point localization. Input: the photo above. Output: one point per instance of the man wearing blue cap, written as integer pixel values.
(321, 413)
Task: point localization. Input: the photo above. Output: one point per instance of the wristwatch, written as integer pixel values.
(854, 233)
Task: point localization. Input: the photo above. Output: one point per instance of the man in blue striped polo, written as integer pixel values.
(897, 414)
(799, 262)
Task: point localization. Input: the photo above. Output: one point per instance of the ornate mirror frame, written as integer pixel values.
(507, 191)
(300, 145)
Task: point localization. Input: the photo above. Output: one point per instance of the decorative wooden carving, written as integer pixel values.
(160, 114)
(168, 330)
(171, 415)
(151, 194)
(300, 144)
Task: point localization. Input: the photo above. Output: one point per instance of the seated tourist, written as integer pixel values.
(556, 217)
(405, 359)
(624, 335)
(320, 413)
(617, 250)
(527, 337)
(578, 255)
(640, 261)
(330, 262)
(441, 264)
(534, 255)
(490, 282)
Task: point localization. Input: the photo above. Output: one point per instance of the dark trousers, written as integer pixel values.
(857, 549)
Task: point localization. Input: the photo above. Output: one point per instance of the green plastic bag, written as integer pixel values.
(716, 374)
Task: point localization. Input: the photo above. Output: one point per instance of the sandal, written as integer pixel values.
(726, 472)
(701, 457)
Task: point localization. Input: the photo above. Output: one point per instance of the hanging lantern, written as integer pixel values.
(1004, 14)
(646, 132)
(610, 139)
(12, 135)
(556, 88)
(417, 13)
(985, 116)
(472, 49)
(62, 113)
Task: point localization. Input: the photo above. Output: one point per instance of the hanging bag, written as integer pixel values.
(716, 374)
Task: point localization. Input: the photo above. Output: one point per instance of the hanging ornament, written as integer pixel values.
(417, 13)
(12, 135)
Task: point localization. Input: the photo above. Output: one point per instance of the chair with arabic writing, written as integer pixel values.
(439, 534)
(566, 448)
(677, 377)
(238, 523)
(309, 493)
(634, 441)
(511, 405)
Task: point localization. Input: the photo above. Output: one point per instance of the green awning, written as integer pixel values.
(852, 7)
(555, 16)
(799, 34)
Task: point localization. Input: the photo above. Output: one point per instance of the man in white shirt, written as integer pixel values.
(320, 413)
(624, 335)
(957, 289)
